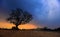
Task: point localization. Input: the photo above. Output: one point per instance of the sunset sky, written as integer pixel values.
(44, 12)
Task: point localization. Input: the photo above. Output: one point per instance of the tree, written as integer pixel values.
(19, 17)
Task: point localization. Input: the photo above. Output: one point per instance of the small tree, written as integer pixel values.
(19, 17)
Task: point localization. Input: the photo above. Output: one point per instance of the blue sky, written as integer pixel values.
(45, 12)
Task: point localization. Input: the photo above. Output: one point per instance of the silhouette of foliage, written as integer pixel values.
(46, 29)
(58, 29)
(14, 28)
(19, 17)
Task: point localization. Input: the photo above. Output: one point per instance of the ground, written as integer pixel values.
(18, 33)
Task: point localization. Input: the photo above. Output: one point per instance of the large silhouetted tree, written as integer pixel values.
(19, 17)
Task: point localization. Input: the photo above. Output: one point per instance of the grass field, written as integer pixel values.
(18, 33)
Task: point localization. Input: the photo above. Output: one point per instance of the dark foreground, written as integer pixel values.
(18, 33)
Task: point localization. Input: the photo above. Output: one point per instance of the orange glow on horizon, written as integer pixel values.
(9, 26)
(27, 26)
(6, 25)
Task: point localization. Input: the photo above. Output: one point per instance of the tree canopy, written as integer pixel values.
(19, 17)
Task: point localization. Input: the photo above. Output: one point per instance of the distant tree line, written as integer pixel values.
(48, 29)
(37, 29)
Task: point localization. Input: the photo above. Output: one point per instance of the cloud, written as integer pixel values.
(47, 12)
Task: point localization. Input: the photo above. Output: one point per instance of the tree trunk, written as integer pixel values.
(16, 27)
